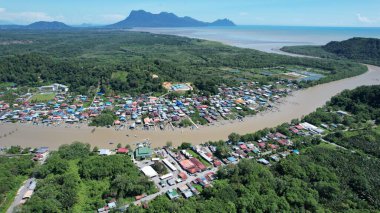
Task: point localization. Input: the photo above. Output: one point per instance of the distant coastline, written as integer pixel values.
(268, 38)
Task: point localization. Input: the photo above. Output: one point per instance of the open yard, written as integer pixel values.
(42, 97)
(199, 158)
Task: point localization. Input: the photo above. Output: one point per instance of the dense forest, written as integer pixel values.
(76, 179)
(13, 171)
(125, 61)
(363, 104)
(363, 50)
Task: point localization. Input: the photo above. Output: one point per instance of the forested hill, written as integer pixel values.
(360, 49)
(364, 50)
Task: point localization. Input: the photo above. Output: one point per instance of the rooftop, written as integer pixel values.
(143, 151)
(172, 193)
(149, 171)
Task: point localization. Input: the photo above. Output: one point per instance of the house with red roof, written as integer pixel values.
(217, 163)
(283, 142)
(243, 147)
(279, 135)
(183, 176)
(122, 151)
(198, 164)
(272, 146)
(261, 145)
(189, 166)
(294, 130)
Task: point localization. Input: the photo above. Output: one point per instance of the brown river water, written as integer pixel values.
(300, 103)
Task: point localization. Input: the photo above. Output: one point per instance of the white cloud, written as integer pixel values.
(364, 19)
(26, 17)
(111, 18)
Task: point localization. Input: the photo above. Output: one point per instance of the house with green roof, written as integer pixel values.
(143, 153)
(172, 194)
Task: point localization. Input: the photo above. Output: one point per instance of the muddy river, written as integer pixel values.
(300, 103)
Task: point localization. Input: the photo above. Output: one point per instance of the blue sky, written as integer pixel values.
(361, 13)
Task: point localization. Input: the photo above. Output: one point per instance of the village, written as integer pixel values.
(53, 105)
(177, 172)
(185, 171)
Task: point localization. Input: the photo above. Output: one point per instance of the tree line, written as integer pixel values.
(82, 59)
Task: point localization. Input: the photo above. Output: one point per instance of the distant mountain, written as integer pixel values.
(137, 18)
(141, 18)
(44, 25)
(222, 22)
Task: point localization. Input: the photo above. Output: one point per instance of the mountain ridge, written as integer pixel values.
(141, 18)
(137, 18)
(46, 25)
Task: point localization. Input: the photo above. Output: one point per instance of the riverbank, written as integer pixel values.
(299, 104)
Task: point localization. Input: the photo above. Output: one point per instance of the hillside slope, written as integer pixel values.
(364, 50)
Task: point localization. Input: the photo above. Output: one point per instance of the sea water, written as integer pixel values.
(269, 38)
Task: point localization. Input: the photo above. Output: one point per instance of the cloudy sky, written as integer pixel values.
(360, 13)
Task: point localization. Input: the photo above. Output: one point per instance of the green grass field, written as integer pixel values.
(42, 97)
(199, 158)
(198, 187)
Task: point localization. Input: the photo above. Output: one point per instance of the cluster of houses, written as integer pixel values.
(272, 147)
(188, 190)
(144, 111)
(63, 108)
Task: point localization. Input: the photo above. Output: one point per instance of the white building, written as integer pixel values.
(311, 127)
(149, 171)
(54, 88)
(170, 165)
(104, 152)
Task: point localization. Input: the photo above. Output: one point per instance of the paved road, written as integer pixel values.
(334, 144)
(21, 192)
(156, 180)
(23, 189)
(165, 189)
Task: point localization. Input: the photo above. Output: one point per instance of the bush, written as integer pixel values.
(107, 118)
